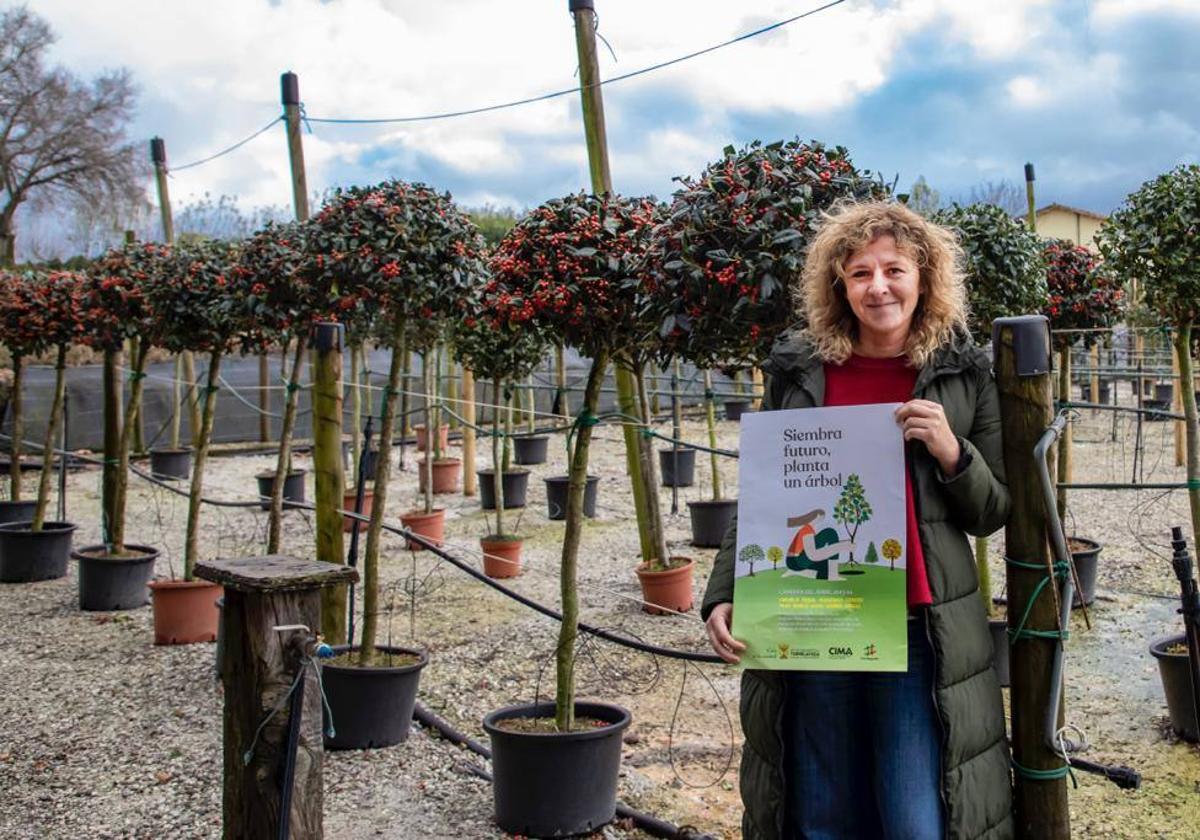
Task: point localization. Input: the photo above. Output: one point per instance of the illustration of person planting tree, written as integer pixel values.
(814, 553)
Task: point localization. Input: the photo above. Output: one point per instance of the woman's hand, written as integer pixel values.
(718, 624)
(925, 420)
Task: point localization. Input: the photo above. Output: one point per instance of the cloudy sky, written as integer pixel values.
(1100, 94)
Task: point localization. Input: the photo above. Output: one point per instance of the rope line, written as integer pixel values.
(571, 91)
(226, 150)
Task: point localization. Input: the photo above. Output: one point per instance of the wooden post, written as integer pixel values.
(1031, 213)
(468, 431)
(1022, 363)
(329, 469)
(637, 464)
(1095, 362)
(185, 365)
(259, 666)
(289, 85)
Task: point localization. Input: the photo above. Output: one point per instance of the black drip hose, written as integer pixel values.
(646, 822)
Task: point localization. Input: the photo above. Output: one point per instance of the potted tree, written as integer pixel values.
(42, 313)
(1006, 275)
(550, 276)
(1084, 298)
(13, 308)
(198, 313)
(281, 307)
(734, 238)
(1153, 238)
(504, 355)
(113, 575)
(410, 255)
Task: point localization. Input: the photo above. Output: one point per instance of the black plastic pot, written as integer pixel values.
(371, 707)
(710, 521)
(21, 511)
(1176, 676)
(734, 409)
(556, 784)
(1086, 562)
(516, 485)
(1156, 405)
(293, 488)
(998, 627)
(556, 496)
(531, 450)
(1164, 392)
(27, 555)
(171, 464)
(114, 583)
(678, 467)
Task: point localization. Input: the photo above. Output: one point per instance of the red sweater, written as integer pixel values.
(863, 381)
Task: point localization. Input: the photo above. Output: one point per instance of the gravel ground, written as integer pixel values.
(108, 736)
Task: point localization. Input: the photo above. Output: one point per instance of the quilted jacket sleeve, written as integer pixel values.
(977, 497)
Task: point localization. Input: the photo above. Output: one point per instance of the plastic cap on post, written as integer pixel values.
(327, 336)
(580, 5)
(289, 88)
(1030, 342)
(158, 150)
(1029, 172)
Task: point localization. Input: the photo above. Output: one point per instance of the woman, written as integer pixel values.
(913, 755)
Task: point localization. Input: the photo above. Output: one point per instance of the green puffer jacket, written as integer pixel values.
(976, 785)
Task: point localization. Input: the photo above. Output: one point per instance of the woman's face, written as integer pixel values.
(883, 286)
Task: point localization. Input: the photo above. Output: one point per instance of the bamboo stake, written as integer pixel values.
(468, 431)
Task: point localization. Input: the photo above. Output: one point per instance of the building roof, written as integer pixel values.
(1088, 213)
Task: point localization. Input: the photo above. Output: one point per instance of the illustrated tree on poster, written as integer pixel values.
(750, 555)
(852, 509)
(872, 554)
(775, 555)
(891, 550)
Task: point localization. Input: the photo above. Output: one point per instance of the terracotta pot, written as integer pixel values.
(432, 526)
(443, 436)
(501, 556)
(348, 497)
(445, 475)
(185, 611)
(670, 589)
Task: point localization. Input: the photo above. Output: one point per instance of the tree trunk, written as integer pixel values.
(111, 391)
(52, 424)
(15, 403)
(1183, 352)
(564, 699)
(137, 419)
(430, 432)
(631, 432)
(355, 406)
(383, 472)
(128, 431)
(498, 469)
(191, 395)
(658, 539)
(710, 419)
(196, 492)
(283, 463)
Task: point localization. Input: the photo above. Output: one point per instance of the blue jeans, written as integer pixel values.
(862, 752)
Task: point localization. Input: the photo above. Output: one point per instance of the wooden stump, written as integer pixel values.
(258, 669)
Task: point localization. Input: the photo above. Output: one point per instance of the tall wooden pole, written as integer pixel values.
(468, 430)
(289, 84)
(185, 364)
(327, 400)
(1021, 347)
(640, 469)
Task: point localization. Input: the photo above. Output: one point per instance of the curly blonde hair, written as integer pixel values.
(820, 298)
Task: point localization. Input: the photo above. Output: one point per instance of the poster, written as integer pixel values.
(820, 581)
